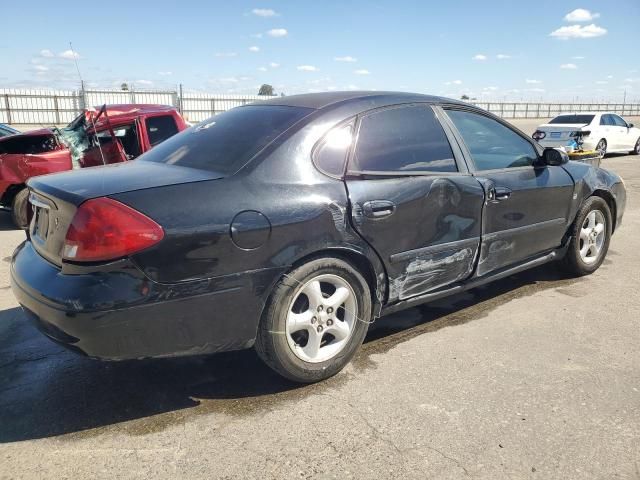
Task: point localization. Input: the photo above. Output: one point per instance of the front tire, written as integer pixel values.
(19, 209)
(636, 149)
(590, 236)
(315, 320)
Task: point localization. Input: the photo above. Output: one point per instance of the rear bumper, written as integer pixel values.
(589, 144)
(121, 314)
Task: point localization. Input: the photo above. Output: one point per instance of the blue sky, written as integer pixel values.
(492, 50)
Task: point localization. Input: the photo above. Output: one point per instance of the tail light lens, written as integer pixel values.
(105, 229)
(584, 133)
(538, 135)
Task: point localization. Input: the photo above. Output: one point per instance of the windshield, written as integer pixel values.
(578, 119)
(226, 142)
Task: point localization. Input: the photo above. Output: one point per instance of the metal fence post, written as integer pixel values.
(55, 106)
(213, 106)
(7, 108)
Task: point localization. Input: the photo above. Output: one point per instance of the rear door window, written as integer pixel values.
(160, 128)
(606, 120)
(402, 139)
(225, 142)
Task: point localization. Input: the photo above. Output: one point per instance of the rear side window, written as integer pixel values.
(577, 119)
(491, 144)
(160, 128)
(225, 142)
(403, 139)
(28, 144)
(331, 155)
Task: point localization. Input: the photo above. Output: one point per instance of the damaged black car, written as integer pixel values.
(290, 224)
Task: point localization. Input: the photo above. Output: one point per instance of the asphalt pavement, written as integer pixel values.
(534, 376)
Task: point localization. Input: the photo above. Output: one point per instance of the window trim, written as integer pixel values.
(457, 154)
(467, 153)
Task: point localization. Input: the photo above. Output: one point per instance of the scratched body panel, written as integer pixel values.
(431, 211)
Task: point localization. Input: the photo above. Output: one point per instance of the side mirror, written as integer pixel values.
(554, 157)
(629, 125)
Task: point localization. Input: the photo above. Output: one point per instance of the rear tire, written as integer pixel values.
(590, 236)
(19, 209)
(315, 320)
(602, 147)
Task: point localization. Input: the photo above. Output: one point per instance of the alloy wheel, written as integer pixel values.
(637, 149)
(592, 237)
(602, 147)
(321, 318)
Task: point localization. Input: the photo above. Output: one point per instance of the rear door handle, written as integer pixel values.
(378, 208)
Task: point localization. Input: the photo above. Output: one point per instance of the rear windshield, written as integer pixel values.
(28, 144)
(225, 142)
(579, 119)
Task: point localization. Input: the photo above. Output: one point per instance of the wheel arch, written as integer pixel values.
(373, 272)
(10, 193)
(608, 197)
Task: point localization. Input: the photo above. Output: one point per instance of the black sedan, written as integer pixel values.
(290, 224)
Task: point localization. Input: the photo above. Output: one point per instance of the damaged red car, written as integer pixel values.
(104, 135)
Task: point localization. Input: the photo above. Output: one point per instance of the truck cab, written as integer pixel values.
(99, 136)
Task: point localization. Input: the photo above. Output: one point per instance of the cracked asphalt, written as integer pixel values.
(535, 376)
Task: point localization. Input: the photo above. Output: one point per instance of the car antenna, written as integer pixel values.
(75, 60)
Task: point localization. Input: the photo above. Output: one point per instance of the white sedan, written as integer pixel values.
(601, 131)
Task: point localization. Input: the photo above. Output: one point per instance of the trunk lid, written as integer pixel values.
(56, 197)
(562, 131)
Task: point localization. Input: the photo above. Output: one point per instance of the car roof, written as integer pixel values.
(130, 111)
(322, 100)
(583, 113)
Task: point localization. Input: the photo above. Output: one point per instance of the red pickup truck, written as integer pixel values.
(107, 134)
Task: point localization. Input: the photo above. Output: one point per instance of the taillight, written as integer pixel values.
(582, 133)
(538, 135)
(105, 229)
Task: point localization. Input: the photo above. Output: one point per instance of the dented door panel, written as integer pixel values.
(532, 219)
(431, 238)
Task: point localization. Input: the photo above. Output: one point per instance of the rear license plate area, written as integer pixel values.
(40, 223)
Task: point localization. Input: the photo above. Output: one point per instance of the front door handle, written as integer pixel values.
(498, 194)
(378, 208)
